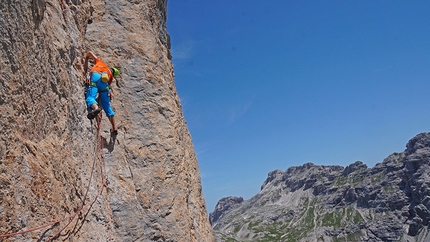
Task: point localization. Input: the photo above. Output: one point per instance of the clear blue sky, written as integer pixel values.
(270, 84)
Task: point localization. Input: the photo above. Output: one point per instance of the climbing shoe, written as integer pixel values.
(114, 132)
(93, 113)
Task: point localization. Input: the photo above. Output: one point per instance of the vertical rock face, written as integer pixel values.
(48, 148)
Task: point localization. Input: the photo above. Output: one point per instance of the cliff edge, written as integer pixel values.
(54, 162)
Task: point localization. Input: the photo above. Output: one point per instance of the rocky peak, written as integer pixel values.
(275, 176)
(357, 166)
(223, 206)
(294, 170)
(418, 142)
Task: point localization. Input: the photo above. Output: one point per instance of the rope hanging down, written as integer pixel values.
(83, 205)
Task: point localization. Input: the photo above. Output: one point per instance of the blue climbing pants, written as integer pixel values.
(102, 88)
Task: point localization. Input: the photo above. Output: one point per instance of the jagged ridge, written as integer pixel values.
(389, 202)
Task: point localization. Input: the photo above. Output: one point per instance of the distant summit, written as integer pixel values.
(389, 202)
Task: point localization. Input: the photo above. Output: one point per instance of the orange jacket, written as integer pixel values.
(100, 66)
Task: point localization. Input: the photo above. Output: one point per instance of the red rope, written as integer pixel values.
(53, 223)
(89, 183)
(71, 217)
(83, 206)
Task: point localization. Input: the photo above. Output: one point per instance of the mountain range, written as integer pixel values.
(388, 202)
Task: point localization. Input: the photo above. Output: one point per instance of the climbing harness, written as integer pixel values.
(94, 84)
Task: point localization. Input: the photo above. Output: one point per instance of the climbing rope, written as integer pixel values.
(99, 138)
(83, 205)
(106, 182)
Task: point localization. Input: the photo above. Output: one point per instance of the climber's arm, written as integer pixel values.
(88, 56)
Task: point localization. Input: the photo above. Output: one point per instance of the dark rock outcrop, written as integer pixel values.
(223, 206)
(389, 202)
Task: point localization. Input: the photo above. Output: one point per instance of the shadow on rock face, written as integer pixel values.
(110, 146)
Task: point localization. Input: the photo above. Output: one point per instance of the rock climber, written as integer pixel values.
(100, 80)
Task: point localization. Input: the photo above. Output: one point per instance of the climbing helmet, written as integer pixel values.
(114, 71)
